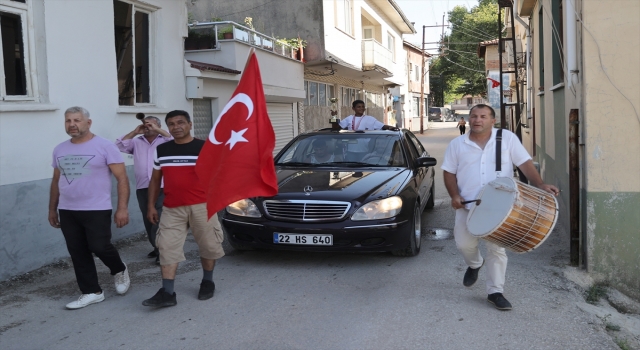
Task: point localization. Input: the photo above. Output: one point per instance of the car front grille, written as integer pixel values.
(306, 210)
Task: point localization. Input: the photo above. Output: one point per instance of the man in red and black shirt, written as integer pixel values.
(184, 206)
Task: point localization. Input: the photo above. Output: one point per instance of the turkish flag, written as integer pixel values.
(236, 161)
(494, 83)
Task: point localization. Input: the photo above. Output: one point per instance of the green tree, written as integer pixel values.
(458, 64)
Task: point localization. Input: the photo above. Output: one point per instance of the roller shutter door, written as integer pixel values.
(202, 118)
(281, 115)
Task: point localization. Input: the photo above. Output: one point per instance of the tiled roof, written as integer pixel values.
(482, 46)
(212, 67)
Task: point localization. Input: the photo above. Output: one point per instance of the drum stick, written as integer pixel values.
(475, 200)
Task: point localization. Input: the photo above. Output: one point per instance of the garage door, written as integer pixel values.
(281, 115)
(202, 118)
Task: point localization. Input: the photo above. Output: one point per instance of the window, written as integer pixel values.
(349, 95)
(541, 49)
(373, 99)
(133, 60)
(558, 41)
(344, 16)
(367, 32)
(391, 44)
(416, 143)
(313, 94)
(318, 94)
(415, 106)
(15, 81)
(417, 72)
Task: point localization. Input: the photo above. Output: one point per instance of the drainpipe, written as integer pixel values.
(527, 59)
(571, 59)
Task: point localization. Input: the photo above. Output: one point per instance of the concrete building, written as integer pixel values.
(463, 104)
(213, 72)
(585, 116)
(115, 58)
(354, 49)
(410, 92)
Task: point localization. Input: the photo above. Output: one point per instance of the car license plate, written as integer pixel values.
(286, 238)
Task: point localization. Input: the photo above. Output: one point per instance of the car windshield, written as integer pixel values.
(342, 149)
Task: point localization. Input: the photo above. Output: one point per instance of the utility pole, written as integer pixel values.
(422, 104)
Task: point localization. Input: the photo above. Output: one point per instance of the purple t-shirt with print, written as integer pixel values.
(85, 177)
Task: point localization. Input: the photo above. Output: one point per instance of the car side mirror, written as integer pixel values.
(426, 161)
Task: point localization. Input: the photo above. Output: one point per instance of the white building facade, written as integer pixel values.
(115, 58)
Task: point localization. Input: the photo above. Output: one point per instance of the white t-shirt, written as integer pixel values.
(475, 167)
(366, 122)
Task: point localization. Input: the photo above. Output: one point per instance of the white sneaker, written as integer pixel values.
(122, 281)
(85, 300)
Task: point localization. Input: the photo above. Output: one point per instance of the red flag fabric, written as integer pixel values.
(494, 83)
(236, 161)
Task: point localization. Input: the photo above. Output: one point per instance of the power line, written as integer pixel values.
(253, 8)
(467, 52)
(477, 61)
(474, 30)
(457, 64)
(471, 35)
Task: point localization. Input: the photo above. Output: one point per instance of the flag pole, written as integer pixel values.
(251, 52)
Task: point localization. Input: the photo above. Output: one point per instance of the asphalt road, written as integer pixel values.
(283, 300)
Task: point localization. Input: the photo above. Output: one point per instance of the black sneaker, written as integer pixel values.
(499, 301)
(154, 253)
(471, 276)
(161, 299)
(206, 290)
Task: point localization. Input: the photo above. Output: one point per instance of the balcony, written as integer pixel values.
(376, 57)
(211, 35)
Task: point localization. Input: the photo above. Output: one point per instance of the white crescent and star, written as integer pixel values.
(236, 136)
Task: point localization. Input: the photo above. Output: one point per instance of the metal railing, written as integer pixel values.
(374, 54)
(207, 36)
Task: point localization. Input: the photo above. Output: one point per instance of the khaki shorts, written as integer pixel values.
(172, 233)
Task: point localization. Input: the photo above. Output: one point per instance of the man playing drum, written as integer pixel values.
(469, 164)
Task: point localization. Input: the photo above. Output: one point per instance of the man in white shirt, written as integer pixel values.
(469, 164)
(360, 121)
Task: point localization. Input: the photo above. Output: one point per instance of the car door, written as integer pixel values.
(426, 173)
(420, 173)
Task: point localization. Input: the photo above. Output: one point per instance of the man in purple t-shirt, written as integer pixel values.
(80, 204)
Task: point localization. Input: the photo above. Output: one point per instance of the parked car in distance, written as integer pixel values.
(441, 114)
(339, 190)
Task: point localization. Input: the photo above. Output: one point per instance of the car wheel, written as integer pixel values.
(415, 238)
(431, 201)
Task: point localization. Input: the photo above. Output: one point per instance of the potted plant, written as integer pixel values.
(191, 42)
(226, 33)
(298, 46)
(207, 41)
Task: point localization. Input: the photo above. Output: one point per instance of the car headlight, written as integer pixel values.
(380, 209)
(244, 207)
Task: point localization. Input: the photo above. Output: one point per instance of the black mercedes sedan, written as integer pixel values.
(340, 190)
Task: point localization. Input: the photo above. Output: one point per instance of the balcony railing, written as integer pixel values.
(375, 55)
(209, 35)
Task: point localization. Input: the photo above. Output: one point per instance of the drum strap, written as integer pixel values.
(499, 151)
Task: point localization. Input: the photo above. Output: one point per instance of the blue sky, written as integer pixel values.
(429, 12)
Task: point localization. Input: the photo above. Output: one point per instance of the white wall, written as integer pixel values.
(76, 61)
(348, 47)
(81, 66)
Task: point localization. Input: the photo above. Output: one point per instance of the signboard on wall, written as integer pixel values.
(493, 93)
